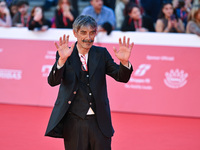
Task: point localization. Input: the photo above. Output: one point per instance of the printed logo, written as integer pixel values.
(142, 69)
(10, 74)
(160, 58)
(50, 55)
(138, 81)
(46, 70)
(175, 78)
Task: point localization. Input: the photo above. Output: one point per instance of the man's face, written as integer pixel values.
(85, 37)
(23, 9)
(97, 4)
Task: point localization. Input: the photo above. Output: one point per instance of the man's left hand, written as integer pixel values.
(124, 52)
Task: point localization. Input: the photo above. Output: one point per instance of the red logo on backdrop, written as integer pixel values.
(138, 81)
(175, 78)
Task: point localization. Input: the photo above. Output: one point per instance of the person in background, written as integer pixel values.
(119, 12)
(21, 18)
(37, 20)
(181, 12)
(13, 8)
(168, 21)
(104, 16)
(64, 15)
(135, 21)
(193, 25)
(5, 18)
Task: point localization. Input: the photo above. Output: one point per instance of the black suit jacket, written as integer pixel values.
(100, 64)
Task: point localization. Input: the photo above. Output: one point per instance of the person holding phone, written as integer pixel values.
(168, 21)
(38, 21)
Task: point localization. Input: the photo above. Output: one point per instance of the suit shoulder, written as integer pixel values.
(99, 48)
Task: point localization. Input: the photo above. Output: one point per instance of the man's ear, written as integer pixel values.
(75, 33)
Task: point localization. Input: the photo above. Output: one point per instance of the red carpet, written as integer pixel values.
(23, 127)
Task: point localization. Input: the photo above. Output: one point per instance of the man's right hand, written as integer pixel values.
(63, 49)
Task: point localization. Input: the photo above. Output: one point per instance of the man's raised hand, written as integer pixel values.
(124, 52)
(63, 49)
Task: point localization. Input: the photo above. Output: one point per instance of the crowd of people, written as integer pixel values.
(176, 16)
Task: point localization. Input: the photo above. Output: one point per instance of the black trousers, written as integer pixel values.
(84, 134)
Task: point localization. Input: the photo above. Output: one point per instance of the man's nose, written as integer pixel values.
(89, 36)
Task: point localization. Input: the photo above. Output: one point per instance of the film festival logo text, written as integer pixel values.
(50, 55)
(46, 70)
(10, 74)
(138, 81)
(175, 78)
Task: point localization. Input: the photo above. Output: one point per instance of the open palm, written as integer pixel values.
(63, 47)
(124, 52)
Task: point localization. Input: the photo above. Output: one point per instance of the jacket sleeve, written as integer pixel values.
(56, 75)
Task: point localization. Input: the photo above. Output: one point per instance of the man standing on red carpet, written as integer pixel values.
(81, 114)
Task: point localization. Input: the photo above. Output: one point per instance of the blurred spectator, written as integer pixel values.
(151, 8)
(188, 5)
(49, 3)
(181, 12)
(135, 21)
(64, 15)
(13, 8)
(103, 15)
(168, 21)
(37, 21)
(193, 25)
(119, 13)
(22, 17)
(175, 3)
(5, 18)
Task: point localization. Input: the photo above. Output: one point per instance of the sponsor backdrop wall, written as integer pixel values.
(165, 80)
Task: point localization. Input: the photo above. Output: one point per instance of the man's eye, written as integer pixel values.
(83, 33)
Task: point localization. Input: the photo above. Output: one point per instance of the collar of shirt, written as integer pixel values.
(86, 56)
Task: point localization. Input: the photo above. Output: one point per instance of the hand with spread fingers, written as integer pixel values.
(63, 49)
(124, 52)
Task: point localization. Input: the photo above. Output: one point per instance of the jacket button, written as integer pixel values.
(90, 94)
(54, 72)
(74, 92)
(69, 102)
(90, 103)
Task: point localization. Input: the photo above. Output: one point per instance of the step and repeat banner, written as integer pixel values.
(165, 80)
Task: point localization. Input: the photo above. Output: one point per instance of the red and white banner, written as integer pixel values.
(165, 78)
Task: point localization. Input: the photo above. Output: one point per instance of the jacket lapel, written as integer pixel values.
(94, 58)
(75, 61)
